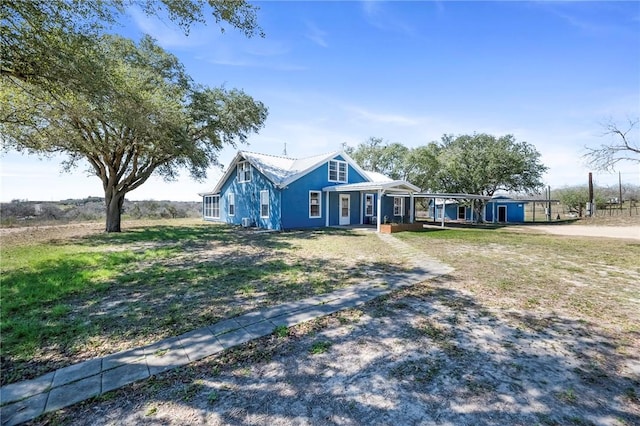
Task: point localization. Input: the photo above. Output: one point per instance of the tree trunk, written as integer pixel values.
(114, 212)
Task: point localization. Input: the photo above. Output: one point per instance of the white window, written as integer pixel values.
(244, 171)
(231, 201)
(398, 206)
(337, 171)
(211, 206)
(368, 204)
(315, 204)
(264, 204)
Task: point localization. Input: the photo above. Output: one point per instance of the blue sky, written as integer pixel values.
(340, 72)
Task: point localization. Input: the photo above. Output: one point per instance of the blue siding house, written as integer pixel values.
(498, 208)
(280, 193)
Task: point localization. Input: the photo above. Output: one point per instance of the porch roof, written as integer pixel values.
(386, 186)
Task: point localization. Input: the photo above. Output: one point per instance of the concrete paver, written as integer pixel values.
(123, 358)
(71, 393)
(200, 344)
(76, 372)
(166, 359)
(24, 410)
(234, 338)
(21, 390)
(27, 400)
(123, 375)
(259, 329)
(224, 326)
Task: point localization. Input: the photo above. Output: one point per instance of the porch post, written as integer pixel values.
(493, 209)
(444, 205)
(473, 205)
(379, 209)
(361, 210)
(326, 211)
(411, 206)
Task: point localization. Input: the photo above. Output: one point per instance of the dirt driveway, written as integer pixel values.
(626, 232)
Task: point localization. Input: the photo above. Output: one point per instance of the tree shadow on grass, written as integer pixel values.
(424, 355)
(200, 235)
(92, 303)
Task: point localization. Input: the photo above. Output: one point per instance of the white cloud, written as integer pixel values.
(381, 17)
(316, 35)
(381, 118)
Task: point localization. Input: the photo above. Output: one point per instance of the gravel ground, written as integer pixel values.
(627, 232)
(426, 355)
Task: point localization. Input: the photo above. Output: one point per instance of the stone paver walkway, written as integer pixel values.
(27, 400)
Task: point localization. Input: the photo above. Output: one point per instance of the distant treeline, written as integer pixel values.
(92, 208)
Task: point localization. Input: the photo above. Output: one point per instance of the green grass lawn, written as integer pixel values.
(64, 300)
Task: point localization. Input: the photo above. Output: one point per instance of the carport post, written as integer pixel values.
(411, 207)
(379, 209)
(473, 204)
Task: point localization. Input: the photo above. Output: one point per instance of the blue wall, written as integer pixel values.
(295, 199)
(247, 201)
(387, 210)
(288, 207)
(515, 211)
(450, 211)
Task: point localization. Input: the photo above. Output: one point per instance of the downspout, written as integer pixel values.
(326, 211)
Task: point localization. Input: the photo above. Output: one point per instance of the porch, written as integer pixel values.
(372, 202)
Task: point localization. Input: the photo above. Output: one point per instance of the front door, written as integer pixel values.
(462, 212)
(345, 209)
(502, 213)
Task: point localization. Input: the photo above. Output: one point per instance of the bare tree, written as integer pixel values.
(624, 146)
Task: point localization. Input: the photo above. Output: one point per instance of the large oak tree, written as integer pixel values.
(151, 118)
(130, 110)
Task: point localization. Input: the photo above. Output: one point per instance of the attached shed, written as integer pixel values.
(503, 209)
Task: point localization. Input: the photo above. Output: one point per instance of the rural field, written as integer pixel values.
(530, 328)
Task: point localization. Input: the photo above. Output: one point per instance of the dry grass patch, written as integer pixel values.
(70, 294)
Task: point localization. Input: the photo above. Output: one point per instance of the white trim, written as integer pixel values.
(394, 185)
(319, 215)
(266, 191)
(340, 217)
(505, 214)
(326, 211)
(411, 208)
(337, 171)
(464, 214)
(240, 171)
(209, 208)
(401, 214)
(231, 203)
(373, 197)
(379, 210)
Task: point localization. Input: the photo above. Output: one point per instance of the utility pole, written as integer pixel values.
(549, 201)
(590, 206)
(620, 191)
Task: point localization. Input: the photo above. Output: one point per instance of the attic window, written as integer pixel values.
(244, 171)
(337, 171)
